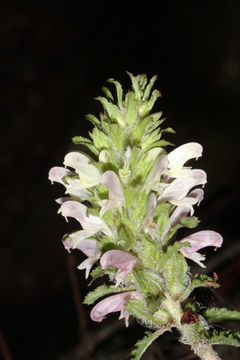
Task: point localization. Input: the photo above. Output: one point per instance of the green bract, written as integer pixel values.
(130, 197)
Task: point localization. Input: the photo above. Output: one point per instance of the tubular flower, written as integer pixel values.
(90, 224)
(113, 303)
(149, 225)
(88, 173)
(200, 240)
(180, 187)
(179, 156)
(74, 187)
(89, 247)
(153, 178)
(121, 260)
(193, 198)
(116, 196)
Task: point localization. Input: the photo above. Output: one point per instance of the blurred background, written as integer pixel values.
(55, 57)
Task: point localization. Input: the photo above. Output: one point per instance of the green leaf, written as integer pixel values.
(112, 110)
(168, 130)
(135, 87)
(103, 290)
(119, 92)
(94, 120)
(200, 281)
(86, 142)
(149, 282)
(189, 221)
(138, 309)
(107, 93)
(221, 314)
(100, 291)
(131, 106)
(100, 140)
(175, 272)
(170, 251)
(160, 143)
(143, 344)
(149, 88)
(150, 256)
(147, 106)
(142, 81)
(97, 272)
(224, 337)
(81, 140)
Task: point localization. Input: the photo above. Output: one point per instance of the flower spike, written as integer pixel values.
(132, 197)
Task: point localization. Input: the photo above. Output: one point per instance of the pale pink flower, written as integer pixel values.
(153, 178)
(116, 196)
(74, 187)
(113, 303)
(89, 247)
(88, 173)
(192, 198)
(90, 224)
(121, 260)
(180, 187)
(57, 173)
(149, 225)
(200, 240)
(179, 156)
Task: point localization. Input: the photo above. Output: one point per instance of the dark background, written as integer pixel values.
(54, 60)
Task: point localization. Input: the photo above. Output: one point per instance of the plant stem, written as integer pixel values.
(200, 348)
(205, 351)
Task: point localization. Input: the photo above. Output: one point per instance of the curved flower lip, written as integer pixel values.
(200, 240)
(180, 187)
(75, 160)
(73, 209)
(74, 187)
(179, 156)
(113, 303)
(116, 195)
(88, 173)
(90, 224)
(193, 198)
(88, 246)
(57, 173)
(121, 260)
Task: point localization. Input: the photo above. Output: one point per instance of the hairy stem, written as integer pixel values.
(205, 351)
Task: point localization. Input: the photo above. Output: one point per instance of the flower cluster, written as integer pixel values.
(130, 197)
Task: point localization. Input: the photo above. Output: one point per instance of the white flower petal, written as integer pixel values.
(116, 195)
(179, 156)
(73, 209)
(75, 160)
(155, 173)
(57, 173)
(89, 175)
(177, 215)
(112, 182)
(93, 224)
(87, 264)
